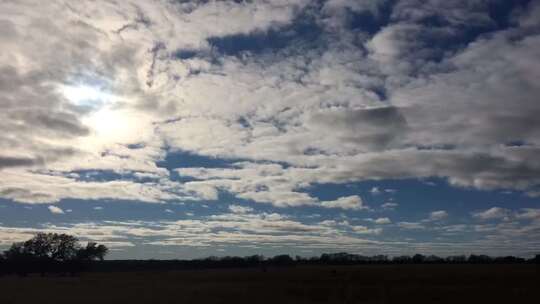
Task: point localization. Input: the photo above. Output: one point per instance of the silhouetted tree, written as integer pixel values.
(456, 259)
(282, 260)
(479, 259)
(418, 258)
(57, 247)
(404, 259)
(92, 252)
(52, 252)
(433, 259)
(254, 259)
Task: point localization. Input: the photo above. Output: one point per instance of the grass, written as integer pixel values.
(302, 284)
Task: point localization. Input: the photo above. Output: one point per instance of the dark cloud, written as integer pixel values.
(374, 128)
(6, 162)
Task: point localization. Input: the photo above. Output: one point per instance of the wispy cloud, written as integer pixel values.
(438, 215)
(492, 213)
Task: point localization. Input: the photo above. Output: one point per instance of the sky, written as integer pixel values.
(183, 129)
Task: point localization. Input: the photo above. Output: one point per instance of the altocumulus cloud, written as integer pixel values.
(260, 108)
(308, 96)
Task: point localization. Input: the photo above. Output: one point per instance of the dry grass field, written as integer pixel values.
(302, 284)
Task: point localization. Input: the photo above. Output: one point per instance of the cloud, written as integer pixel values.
(454, 13)
(492, 213)
(353, 202)
(366, 230)
(438, 215)
(240, 209)
(529, 213)
(55, 210)
(411, 226)
(336, 104)
(267, 230)
(6, 162)
(382, 220)
(375, 191)
(35, 187)
(389, 205)
(373, 128)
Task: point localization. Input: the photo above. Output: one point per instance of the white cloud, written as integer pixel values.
(375, 191)
(240, 209)
(366, 230)
(393, 42)
(383, 220)
(411, 225)
(492, 213)
(353, 202)
(389, 205)
(55, 210)
(438, 215)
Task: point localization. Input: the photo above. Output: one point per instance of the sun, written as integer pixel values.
(111, 119)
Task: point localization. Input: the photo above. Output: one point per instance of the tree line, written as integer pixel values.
(48, 253)
(284, 260)
(51, 253)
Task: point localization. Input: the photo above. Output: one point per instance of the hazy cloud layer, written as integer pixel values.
(261, 231)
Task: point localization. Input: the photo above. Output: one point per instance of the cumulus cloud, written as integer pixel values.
(353, 202)
(55, 210)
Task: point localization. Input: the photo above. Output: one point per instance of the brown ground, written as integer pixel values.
(302, 284)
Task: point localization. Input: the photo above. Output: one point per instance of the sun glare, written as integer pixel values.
(109, 124)
(86, 95)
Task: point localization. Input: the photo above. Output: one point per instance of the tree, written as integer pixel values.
(92, 252)
(282, 260)
(418, 258)
(55, 247)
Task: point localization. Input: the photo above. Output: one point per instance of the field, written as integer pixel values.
(301, 284)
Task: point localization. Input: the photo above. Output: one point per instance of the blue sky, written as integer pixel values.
(181, 129)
